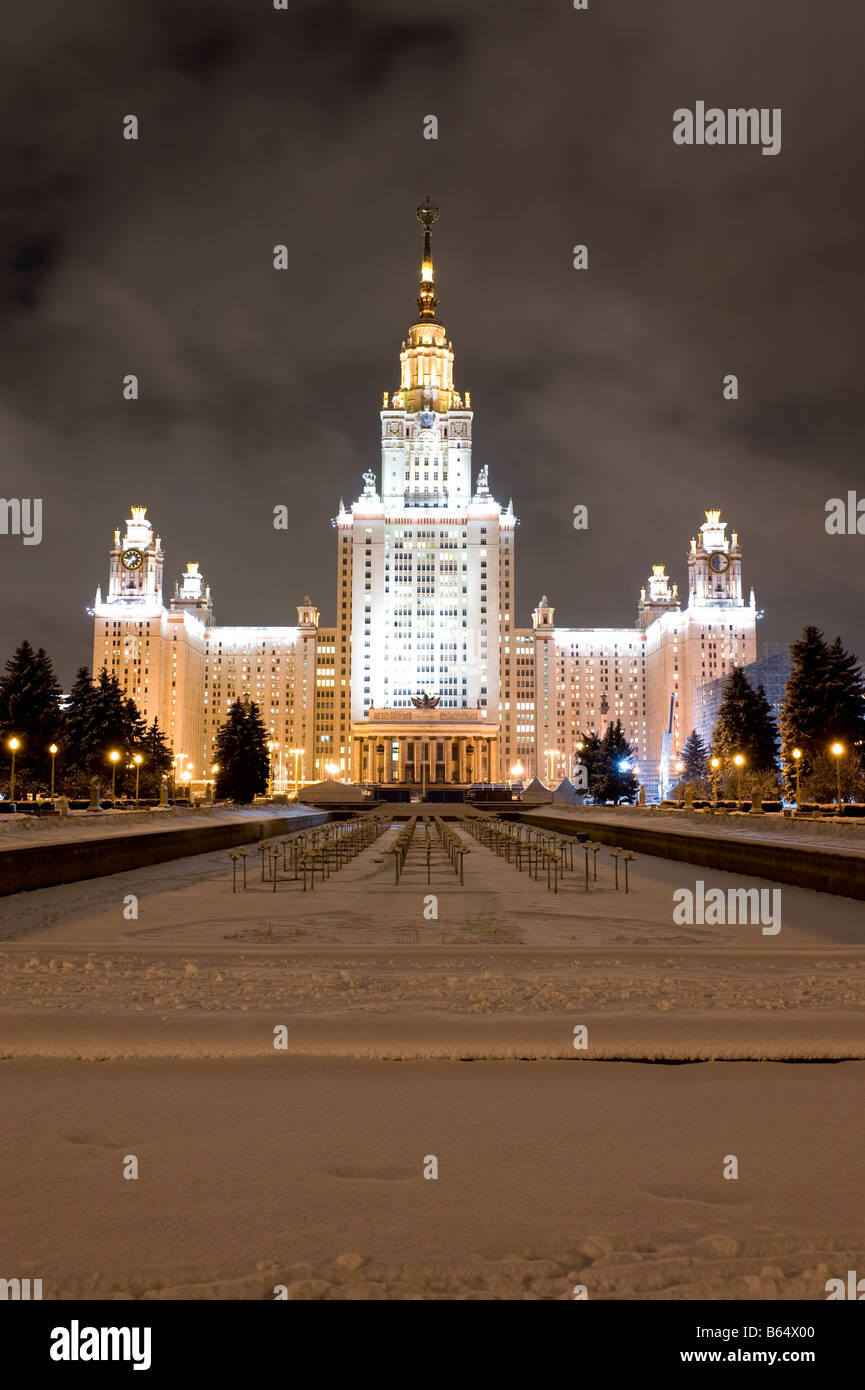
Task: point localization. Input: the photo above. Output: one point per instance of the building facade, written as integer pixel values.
(425, 677)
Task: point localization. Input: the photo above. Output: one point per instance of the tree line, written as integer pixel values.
(823, 705)
(96, 720)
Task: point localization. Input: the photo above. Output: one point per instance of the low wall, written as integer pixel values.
(43, 866)
(804, 866)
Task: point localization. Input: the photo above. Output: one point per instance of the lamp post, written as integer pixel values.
(837, 751)
(797, 755)
(740, 763)
(114, 758)
(13, 745)
(270, 751)
(298, 753)
(331, 769)
(177, 765)
(517, 772)
(680, 768)
(53, 751)
(715, 763)
(137, 760)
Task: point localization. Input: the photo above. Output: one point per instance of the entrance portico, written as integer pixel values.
(416, 746)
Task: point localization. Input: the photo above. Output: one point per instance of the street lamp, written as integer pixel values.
(114, 756)
(715, 763)
(837, 751)
(298, 754)
(331, 769)
(270, 751)
(680, 768)
(517, 772)
(53, 751)
(177, 763)
(797, 754)
(138, 760)
(740, 763)
(13, 745)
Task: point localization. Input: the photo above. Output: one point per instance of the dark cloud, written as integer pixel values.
(304, 127)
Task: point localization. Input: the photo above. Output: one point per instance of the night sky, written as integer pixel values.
(260, 387)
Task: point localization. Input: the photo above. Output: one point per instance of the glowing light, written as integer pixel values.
(797, 753)
(14, 743)
(837, 749)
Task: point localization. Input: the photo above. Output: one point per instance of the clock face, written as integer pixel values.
(719, 562)
(132, 559)
(427, 419)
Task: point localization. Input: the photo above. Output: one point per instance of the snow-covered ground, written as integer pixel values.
(843, 833)
(309, 1174)
(502, 948)
(88, 825)
(154, 1035)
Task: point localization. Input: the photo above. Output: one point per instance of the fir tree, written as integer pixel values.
(845, 701)
(157, 762)
(240, 749)
(30, 710)
(745, 725)
(613, 777)
(695, 756)
(589, 758)
(803, 710)
(823, 703)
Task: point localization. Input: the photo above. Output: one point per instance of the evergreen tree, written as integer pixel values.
(613, 776)
(803, 710)
(695, 756)
(846, 700)
(157, 760)
(78, 737)
(823, 702)
(30, 710)
(745, 725)
(240, 749)
(589, 758)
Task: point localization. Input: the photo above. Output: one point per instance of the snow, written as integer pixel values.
(309, 1175)
(303, 1166)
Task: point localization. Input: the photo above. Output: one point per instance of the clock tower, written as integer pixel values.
(715, 567)
(135, 573)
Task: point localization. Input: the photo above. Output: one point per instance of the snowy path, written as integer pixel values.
(309, 1174)
(522, 964)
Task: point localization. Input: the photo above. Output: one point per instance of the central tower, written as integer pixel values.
(426, 427)
(428, 564)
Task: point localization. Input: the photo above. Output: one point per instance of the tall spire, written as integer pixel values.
(426, 301)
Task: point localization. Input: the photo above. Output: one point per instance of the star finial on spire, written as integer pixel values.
(427, 214)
